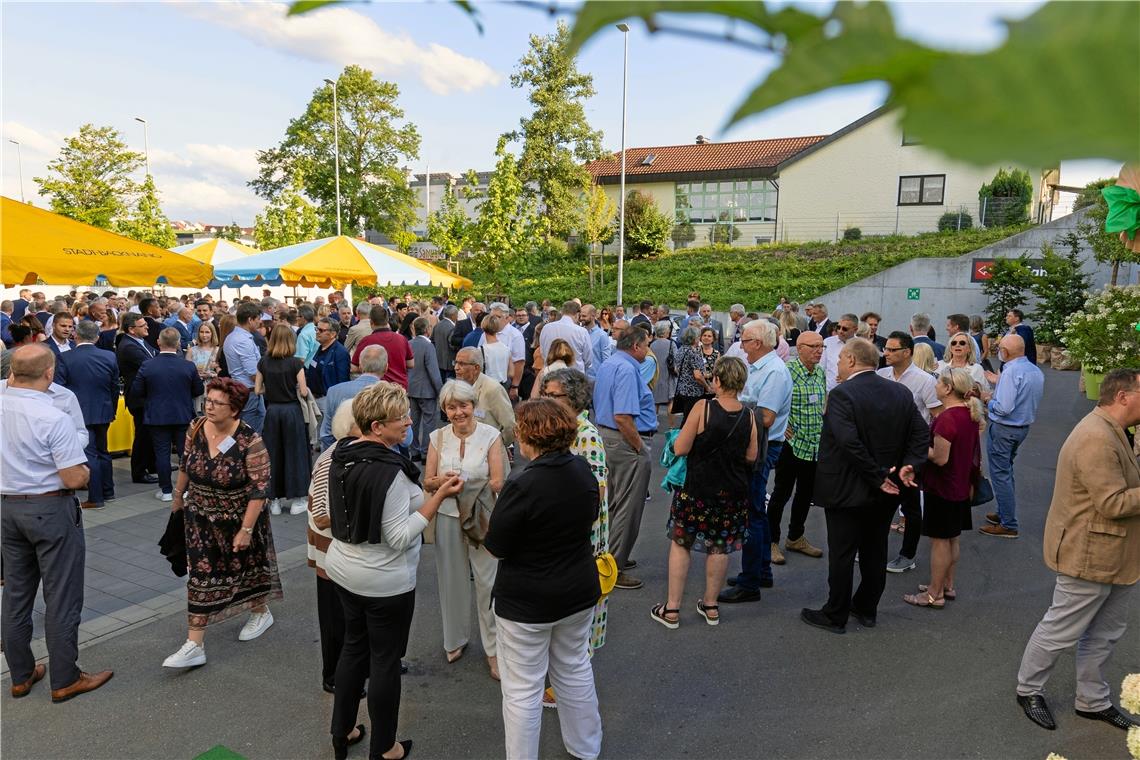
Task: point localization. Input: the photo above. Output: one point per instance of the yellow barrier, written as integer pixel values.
(122, 430)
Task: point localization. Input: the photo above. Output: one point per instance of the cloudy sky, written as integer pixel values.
(217, 81)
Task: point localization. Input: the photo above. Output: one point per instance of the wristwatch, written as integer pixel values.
(247, 530)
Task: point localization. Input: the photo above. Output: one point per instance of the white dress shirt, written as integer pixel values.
(574, 334)
(831, 348)
(37, 440)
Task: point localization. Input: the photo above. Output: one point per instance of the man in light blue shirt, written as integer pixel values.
(769, 391)
(1011, 409)
(373, 365)
(307, 335)
(627, 419)
(599, 342)
(242, 357)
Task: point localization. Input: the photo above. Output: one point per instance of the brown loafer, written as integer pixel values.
(85, 683)
(998, 531)
(22, 689)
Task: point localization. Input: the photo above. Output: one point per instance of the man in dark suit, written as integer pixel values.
(820, 322)
(424, 383)
(441, 339)
(1015, 319)
(93, 376)
(526, 325)
(464, 326)
(151, 312)
(873, 438)
(62, 328)
(20, 305)
(133, 350)
(166, 386)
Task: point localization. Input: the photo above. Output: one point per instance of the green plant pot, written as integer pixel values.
(1092, 384)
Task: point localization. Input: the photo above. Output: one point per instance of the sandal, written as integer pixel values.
(548, 699)
(705, 609)
(924, 600)
(660, 612)
(455, 654)
(949, 594)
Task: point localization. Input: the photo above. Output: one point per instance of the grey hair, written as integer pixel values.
(343, 421)
(451, 311)
(87, 331)
(363, 309)
(374, 360)
(663, 329)
(689, 336)
(169, 338)
(850, 318)
(574, 385)
(475, 354)
(737, 308)
(499, 306)
(631, 338)
(530, 306)
(920, 322)
(456, 392)
(269, 302)
(766, 329)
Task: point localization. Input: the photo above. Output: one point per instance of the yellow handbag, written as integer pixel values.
(607, 572)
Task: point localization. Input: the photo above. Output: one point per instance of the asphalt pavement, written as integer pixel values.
(922, 684)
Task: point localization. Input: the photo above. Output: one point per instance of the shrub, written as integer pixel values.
(647, 229)
(719, 233)
(1005, 199)
(1060, 290)
(1090, 194)
(683, 232)
(952, 221)
(852, 233)
(1103, 336)
(1009, 280)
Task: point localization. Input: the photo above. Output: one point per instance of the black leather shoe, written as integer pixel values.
(1109, 715)
(864, 620)
(150, 479)
(766, 583)
(1037, 710)
(820, 620)
(738, 594)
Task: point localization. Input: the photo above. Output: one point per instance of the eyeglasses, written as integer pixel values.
(544, 394)
(215, 402)
(467, 364)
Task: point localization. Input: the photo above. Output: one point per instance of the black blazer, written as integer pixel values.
(871, 425)
(166, 386)
(131, 356)
(540, 531)
(92, 374)
(462, 329)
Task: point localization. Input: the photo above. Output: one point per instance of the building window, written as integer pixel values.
(925, 190)
(740, 200)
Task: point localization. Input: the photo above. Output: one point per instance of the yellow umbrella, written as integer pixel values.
(334, 262)
(214, 250)
(37, 245)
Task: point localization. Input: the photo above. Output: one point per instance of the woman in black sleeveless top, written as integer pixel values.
(710, 514)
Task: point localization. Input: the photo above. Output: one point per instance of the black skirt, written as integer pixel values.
(944, 519)
(287, 441)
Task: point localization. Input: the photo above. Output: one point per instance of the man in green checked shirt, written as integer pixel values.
(796, 467)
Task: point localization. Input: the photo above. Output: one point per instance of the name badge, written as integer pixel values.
(226, 444)
(813, 398)
(480, 414)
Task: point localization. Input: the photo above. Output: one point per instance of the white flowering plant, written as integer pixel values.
(1103, 335)
(1130, 701)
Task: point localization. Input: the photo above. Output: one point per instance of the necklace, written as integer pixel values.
(215, 437)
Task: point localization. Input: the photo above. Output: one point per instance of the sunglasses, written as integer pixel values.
(958, 343)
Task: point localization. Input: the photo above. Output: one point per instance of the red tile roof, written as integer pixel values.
(704, 157)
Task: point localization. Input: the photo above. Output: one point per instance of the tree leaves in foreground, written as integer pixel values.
(90, 181)
(374, 146)
(1014, 103)
(146, 222)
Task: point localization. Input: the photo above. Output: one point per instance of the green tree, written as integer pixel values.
(1060, 289)
(598, 213)
(504, 227)
(683, 231)
(448, 226)
(146, 222)
(1090, 194)
(557, 139)
(1004, 200)
(374, 190)
(289, 218)
(230, 232)
(90, 180)
(647, 229)
(723, 233)
(1009, 281)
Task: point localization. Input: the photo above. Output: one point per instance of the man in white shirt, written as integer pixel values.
(513, 337)
(570, 331)
(833, 344)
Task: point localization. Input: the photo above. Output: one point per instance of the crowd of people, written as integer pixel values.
(520, 443)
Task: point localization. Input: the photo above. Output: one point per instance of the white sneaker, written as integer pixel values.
(257, 624)
(274, 506)
(163, 496)
(189, 656)
(299, 506)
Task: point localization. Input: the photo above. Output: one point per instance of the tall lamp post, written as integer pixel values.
(624, 28)
(336, 151)
(19, 169)
(146, 143)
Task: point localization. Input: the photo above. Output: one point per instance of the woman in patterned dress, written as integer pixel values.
(229, 545)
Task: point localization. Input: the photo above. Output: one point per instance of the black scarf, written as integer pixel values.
(359, 478)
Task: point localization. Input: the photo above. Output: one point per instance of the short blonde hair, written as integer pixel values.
(731, 373)
(380, 402)
(923, 357)
(457, 392)
(343, 422)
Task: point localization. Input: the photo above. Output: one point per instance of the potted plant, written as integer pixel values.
(1103, 335)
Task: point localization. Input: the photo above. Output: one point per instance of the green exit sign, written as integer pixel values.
(913, 294)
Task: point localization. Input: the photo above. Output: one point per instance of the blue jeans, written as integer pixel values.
(756, 561)
(1002, 443)
(254, 412)
(167, 439)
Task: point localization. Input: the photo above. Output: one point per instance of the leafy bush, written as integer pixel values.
(1091, 193)
(952, 221)
(647, 228)
(723, 233)
(1005, 199)
(683, 232)
(1060, 291)
(1103, 336)
(852, 233)
(1005, 290)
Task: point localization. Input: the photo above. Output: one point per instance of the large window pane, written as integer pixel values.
(932, 189)
(726, 187)
(910, 190)
(742, 185)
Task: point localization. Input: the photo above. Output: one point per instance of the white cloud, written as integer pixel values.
(342, 36)
(209, 201)
(33, 141)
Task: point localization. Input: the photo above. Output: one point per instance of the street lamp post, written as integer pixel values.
(19, 169)
(336, 151)
(624, 28)
(146, 143)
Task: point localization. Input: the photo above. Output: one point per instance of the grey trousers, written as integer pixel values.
(626, 488)
(42, 540)
(1091, 615)
(425, 419)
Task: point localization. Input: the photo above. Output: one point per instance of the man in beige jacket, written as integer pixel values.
(492, 405)
(1092, 541)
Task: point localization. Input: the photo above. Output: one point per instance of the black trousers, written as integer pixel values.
(142, 450)
(330, 620)
(791, 472)
(912, 511)
(375, 637)
(861, 530)
(167, 440)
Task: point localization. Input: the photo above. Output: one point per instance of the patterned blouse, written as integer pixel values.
(588, 445)
(694, 358)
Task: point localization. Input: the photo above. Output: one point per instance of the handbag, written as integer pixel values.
(981, 492)
(607, 572)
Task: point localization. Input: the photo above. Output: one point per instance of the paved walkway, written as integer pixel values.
(923, 684)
